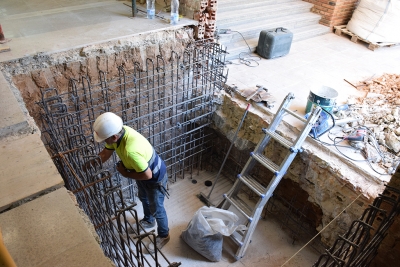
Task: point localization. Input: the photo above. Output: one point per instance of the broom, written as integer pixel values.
(206, 199)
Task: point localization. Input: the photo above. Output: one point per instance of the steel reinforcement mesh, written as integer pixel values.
(170, 102)
(359, 245)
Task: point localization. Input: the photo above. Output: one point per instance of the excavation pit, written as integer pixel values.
(312, 181)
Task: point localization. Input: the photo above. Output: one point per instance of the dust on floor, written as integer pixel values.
(271, 246)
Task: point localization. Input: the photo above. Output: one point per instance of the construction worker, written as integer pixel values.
(139, 161)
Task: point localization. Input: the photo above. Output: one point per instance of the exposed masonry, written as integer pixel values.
(29, 74)
(205, 12)
(333, 12)
(330, 183)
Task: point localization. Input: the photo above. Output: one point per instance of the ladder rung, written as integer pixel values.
(279, 138)
(266, 162)
(241, 206)
(295, 115)
(237, 238)
(252, 184)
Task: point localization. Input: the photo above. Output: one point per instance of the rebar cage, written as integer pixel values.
(359, 245)
(170, 102)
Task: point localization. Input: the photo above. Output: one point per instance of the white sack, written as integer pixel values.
(205, 230)
(377, 21)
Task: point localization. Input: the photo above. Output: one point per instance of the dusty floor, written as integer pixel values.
(271, 244)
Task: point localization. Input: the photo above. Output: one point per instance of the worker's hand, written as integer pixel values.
(121, 169)
(91, 164)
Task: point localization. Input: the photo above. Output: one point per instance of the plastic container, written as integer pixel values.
(174, 12)
(324, 97)
(151, 8)
(274, 43)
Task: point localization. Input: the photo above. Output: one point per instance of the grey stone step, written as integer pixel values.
(262, 12)
(49, 231)
(229, 5)
(235, 48)
(252, 30)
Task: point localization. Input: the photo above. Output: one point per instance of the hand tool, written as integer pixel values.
(260, 88)
(201, 196)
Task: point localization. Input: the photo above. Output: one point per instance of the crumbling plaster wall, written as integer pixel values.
(339, 189)
(31, 74)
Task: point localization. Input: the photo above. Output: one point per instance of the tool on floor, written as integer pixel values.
(357, 136)
(4, 49)
(206, 199)
(260, 88)
(268, 104)
(323, 124)
(232, 199)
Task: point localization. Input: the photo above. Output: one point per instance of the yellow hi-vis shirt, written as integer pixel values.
(133, 149)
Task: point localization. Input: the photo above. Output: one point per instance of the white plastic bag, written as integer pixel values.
(205, 230)
(376, 21)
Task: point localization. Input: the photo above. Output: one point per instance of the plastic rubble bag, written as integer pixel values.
(206, 229)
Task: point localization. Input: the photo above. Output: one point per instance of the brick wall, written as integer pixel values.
(333, 12)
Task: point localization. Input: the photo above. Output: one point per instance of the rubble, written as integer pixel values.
(379, 111)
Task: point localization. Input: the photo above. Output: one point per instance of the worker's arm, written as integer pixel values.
(105, 154)
(146, 175)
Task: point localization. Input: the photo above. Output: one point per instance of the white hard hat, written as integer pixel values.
(106, 125)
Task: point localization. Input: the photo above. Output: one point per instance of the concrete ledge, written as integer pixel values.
(49, 231)
(27, 171)
(12, 119)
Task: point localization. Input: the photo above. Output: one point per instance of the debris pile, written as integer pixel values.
(379, 111)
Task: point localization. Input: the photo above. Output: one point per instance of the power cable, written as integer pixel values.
(368, 160)
(245, 58)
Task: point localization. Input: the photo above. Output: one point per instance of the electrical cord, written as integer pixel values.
(368, 160)
(335, 144)
(246, 58)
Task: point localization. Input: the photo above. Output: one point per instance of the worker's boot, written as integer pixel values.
(147, 224)
(160, 242)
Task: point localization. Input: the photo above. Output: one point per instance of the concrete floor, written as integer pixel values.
(271, 244)
(52, 26)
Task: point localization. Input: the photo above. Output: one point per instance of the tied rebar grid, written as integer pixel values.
(359, 245)
(169, 102)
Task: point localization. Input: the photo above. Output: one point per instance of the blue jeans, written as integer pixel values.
(152, 198)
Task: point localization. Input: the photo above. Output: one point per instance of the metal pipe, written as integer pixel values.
(134, 9)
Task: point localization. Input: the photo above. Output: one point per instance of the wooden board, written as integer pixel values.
(355, 38)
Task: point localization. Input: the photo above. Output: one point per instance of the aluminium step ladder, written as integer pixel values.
(252, 214)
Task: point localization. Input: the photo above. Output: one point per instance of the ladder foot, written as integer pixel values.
(237, 258)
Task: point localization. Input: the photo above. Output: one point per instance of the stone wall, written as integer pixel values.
(337, 191)
(29, 75)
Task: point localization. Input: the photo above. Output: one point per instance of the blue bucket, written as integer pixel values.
(324, 97)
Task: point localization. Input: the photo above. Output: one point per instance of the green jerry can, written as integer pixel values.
(274, 43)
